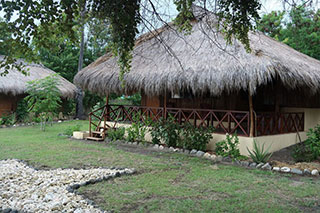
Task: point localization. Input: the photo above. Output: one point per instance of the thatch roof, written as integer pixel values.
(201, 62)
(14, 83)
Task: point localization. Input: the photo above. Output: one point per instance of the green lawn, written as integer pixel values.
(164, 182)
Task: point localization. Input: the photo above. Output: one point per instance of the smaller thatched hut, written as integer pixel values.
(13, 85)
(270, 94)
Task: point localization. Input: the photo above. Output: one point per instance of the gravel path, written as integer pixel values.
(25, 189)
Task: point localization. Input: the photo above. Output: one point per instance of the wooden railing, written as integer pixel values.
(278, 123)
(224, 121)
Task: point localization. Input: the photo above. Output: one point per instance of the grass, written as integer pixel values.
(164, 182)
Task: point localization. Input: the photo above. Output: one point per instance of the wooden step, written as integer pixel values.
(97, 132)
(95, 139)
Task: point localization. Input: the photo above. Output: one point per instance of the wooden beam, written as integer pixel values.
(251, 116)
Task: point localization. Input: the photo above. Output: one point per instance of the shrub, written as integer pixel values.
(8, 119)
(229, 147)
(196, 138)
(22, 110)
(168, 131)
(259, 154)
(310, 149)
(69, 131)
(116, 134)
(187, 136)
(138, 130)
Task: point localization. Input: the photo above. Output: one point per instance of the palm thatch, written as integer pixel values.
(202, 61)
(14, 83)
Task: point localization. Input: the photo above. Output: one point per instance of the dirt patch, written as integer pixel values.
(283, 158)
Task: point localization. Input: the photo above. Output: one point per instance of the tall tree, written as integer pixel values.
(79, 97)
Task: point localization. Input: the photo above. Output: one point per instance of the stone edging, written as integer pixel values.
(218, 159)
(34, 123)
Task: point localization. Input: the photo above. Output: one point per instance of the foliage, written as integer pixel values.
(196, 138)
(259, 154)
(8, 119)
(310, 149)
(134, 99)
(44, 98)
(116, 134)
(236, 19)
(300, 30)
(22, 110)
(186, 136)
(123, 19)
(70, 129)
(90, 100)
(137, 129)
(167, 131)
(228, 147)
(63, 58)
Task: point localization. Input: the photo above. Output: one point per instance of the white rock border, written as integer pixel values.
(219, 159)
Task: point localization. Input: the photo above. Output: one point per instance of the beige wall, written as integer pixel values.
(275, 142)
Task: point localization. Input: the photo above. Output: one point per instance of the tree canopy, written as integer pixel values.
(36, 18)
(299, 28)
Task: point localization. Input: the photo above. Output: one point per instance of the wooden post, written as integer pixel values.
(106, 115)
(251, 116)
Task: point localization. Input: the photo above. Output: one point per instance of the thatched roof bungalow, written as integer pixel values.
(13, 85)
(199, 78)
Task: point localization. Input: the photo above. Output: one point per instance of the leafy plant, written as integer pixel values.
(168, 131)
(116, 134)
(196, 138)
(259, 154)
(229, 147)
(69, 131)
(44, 98)
(22, 110)
(187, 136)
(310, 149)
(8, 119)
(138, 130)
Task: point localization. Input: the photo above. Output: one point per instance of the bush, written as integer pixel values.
(22, 110)
(259, 154)
(310, 149)
(116, 134)
(69, 131)
(187, 136)
(8, 119)
(229, 147)
(196, 138)
(138, 130)
(168, 131)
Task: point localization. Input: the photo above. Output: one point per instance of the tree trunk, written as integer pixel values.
(79, 96)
